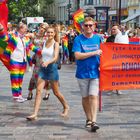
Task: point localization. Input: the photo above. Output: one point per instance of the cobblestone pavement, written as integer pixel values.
(119, 119)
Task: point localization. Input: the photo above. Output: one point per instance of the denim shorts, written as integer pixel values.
(89, 87)
(49, 73)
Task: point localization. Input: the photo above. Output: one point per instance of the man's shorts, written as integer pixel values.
(89, 87)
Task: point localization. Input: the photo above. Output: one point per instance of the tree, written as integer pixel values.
(43, 6)
(47, 2)
(19, 9)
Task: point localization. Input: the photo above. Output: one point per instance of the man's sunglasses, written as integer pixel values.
(88, 25)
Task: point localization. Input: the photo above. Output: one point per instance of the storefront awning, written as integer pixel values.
(130, 18)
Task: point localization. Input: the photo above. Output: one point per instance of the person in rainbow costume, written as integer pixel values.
(15, 57)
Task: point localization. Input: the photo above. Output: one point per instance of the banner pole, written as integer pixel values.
(100, 100)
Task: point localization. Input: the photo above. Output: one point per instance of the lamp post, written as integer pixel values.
(119, 13)
(69, 7)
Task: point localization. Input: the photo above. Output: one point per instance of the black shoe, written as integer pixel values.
(94, 127)
(88, 124)
(30, 96)
(46, 97)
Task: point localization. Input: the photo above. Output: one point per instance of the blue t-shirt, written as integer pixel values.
(89, 67)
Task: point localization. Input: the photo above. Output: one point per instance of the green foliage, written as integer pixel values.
(22, 8)
(49, 1)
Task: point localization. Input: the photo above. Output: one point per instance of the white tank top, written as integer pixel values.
(47, 53)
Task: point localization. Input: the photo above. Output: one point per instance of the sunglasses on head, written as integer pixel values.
(88, 25)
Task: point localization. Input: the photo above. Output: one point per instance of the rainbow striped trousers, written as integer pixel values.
(17, 70)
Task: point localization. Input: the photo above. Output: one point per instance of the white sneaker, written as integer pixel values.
(15, 97)
(21, 99)
(109, 92)
(30, 69)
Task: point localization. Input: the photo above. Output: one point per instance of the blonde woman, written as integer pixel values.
(49, 71)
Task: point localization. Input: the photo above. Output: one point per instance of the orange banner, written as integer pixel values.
(120, 66)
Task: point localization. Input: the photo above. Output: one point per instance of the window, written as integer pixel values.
(88, 2)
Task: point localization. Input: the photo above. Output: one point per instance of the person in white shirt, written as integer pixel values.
(17, 53)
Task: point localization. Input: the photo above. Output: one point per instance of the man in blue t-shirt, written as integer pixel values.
(87, 51)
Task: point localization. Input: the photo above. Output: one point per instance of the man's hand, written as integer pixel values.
(98, 52)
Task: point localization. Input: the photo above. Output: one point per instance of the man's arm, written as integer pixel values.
(81, 56)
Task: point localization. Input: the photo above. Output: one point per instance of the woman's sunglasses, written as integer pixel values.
(88, 25)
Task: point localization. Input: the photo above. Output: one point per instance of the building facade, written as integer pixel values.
(61, 10)
(133, 19)
(47, 11)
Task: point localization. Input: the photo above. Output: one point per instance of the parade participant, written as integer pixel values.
(17, 52)
(71, 35)
(49, 71)
(38, 39)
(117, 37)
(86, 48)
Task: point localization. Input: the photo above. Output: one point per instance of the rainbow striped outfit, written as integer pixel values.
(17, 69)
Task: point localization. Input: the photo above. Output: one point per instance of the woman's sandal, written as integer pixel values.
(94, 127)
(32, 117)
(30, 96)
(88, 124)
(46, 96)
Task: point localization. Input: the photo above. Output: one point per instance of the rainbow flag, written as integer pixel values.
(77, 26)
(78, 19)
(65, 42)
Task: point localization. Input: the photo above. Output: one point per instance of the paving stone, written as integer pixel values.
(118, 120)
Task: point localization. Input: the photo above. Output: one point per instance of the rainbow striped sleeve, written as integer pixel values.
(3, 36)
(3, 45)
(32, 47)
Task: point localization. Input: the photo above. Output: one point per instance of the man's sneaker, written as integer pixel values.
(118, 92)
(109, 92)
(94, 127)
(21, 99)
(88, 124)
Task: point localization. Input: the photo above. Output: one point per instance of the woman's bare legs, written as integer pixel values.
(40, 86)
(58, 94)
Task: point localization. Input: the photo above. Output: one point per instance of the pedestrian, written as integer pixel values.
(71, 35)
(18, 53)
(87, 52)
(49, 71)
(38, 39)
(117, 37)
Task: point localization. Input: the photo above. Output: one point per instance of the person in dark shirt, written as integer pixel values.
(114, 32)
